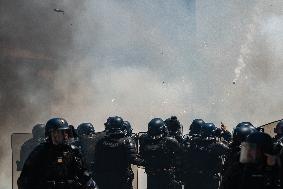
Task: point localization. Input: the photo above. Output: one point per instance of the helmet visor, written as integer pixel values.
(60, 136)
(250, 153)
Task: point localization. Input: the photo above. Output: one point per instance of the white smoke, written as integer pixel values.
(145, 59)
(245, 48)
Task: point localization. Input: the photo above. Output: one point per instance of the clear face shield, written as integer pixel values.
(61, 136)
(252, 153)
(249, 153)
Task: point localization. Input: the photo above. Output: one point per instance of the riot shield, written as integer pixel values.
(17, 140)
(269, 127)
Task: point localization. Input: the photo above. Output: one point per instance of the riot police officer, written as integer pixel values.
(278, 138)
(256, 167)
(54, 164)
(278, 147)
(240, 133)
(162, 155)
(37, 138)
(114, 154)
(175, 129)
(204, 160)
(87, 142)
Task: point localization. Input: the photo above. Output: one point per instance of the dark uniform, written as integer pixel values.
(87, 143)
(37, 138)
(204, 160)
(114, 155)
(162, 155)
(54, 164)
(256, 167)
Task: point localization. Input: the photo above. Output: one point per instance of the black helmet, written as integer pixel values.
(38, 131)
(114, 125)
(208, 129)
(156, 128)
(227, 136)
(85, 129)
(279, 128)
(241, 131)
(256, 146)
(244, 124)
(128, 128)
(173, 124)
(196, 126)
(56, 124)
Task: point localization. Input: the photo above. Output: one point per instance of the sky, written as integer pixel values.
(212, 59)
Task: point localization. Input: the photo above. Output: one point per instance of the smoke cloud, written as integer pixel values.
(139, 60)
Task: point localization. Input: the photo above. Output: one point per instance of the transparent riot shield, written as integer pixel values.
(17, 140)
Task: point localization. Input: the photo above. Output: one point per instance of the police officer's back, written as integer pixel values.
(87, 142)
(203, 160)
(161, 154)
(114, 155)
(54, 164)
(193, 140)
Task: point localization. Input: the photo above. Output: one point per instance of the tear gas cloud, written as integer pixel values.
(139, 60)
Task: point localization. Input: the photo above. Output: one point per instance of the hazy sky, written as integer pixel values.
(139, 60)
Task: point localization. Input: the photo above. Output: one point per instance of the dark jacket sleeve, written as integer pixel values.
(83, 175)
(141, 145)
(232, 177)
(132, 154)
(31, 174)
